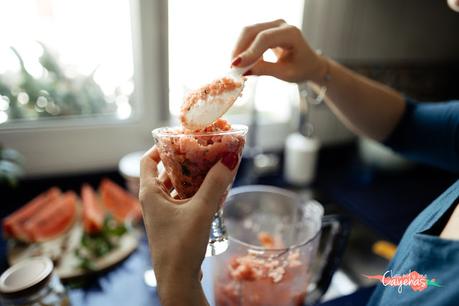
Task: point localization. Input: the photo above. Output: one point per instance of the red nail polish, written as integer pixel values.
(237, 61)
(248, 72)
(230, 160)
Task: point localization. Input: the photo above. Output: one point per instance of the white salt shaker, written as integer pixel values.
(300, 159)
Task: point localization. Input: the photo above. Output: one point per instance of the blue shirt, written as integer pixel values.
(429, 133)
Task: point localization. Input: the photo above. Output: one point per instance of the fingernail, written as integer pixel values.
(230, 160)
(236, 62)
(248, 72)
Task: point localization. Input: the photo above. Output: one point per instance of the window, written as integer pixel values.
(111, 45)
(202, 34)
(162, 47)
(58, 58)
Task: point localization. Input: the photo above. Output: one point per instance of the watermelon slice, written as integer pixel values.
(52, 222)
(120, 203)
(93, 212)
(13, 225)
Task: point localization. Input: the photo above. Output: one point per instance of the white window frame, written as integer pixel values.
(72, 145)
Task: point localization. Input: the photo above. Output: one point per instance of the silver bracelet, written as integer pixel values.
(313, 93)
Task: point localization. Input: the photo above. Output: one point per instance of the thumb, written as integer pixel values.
(268, 39)
(268, 68)
(213, 188)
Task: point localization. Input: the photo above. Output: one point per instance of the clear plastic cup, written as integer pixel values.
(188, 157)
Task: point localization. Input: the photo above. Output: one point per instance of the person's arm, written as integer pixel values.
(178, 230)
(427, 132)
(367, 107)
(175, 292)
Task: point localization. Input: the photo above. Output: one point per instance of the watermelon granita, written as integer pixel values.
(188, 155)
(190, 151)
(274, 277)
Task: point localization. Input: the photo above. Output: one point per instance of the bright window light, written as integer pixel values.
(89, 41)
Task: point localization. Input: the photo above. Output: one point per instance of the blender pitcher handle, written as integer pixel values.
(330, 260)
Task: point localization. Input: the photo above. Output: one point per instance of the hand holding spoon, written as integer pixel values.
(208, 103)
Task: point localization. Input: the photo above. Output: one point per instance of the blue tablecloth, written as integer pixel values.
(125, 285)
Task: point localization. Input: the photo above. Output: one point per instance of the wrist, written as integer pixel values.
(321, 74)
(178, 292)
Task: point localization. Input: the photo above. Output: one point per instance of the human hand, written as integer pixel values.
(178, 230)
(296, 61)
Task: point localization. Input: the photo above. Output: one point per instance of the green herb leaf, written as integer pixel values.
(97, 245)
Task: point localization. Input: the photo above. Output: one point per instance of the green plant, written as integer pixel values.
(53, 94)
